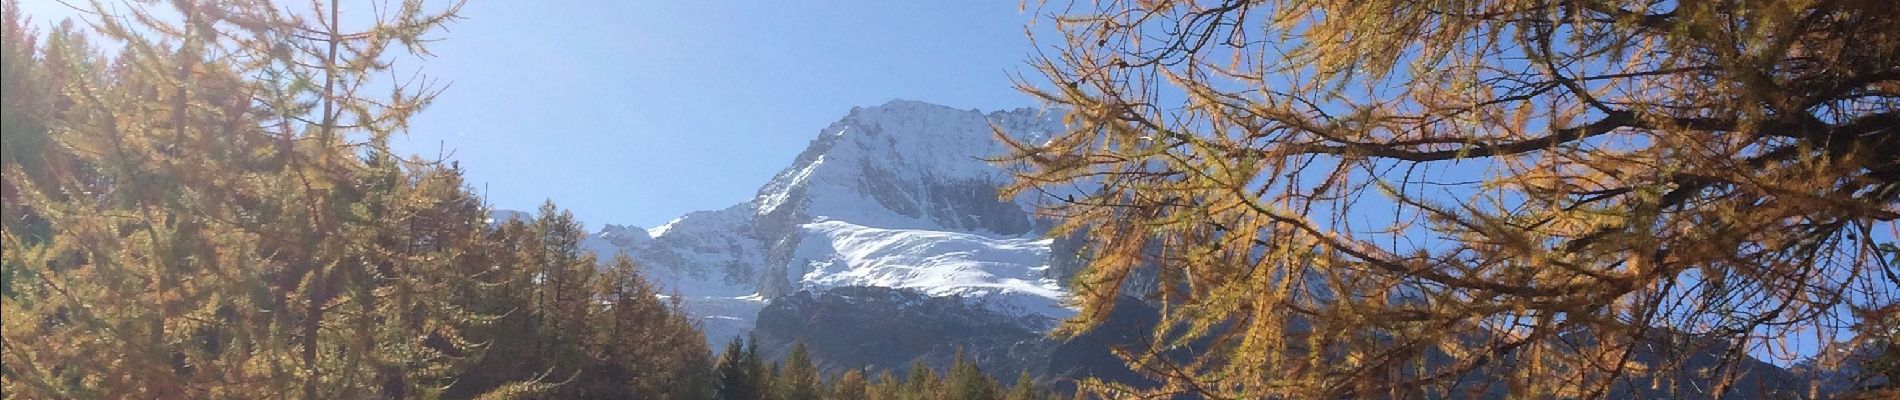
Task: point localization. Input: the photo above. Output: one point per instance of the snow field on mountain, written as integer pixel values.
(1008, 271)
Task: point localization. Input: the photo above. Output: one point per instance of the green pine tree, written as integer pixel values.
(737, 376)
(967, 382)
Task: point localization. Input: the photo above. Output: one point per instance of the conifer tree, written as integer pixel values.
(799, 379)
(511, 337)
(692, 370)
(738, 375)
(199, 217)
(923, 382)
(564, 306)
(631, 345)
(673, 360)
(213, 212)
(764, 373)
(850, 386)
(887, 387)
(965, 381)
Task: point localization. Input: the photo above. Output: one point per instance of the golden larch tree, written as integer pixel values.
(1534, 198)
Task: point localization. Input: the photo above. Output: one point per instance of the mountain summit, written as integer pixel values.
(895, 196)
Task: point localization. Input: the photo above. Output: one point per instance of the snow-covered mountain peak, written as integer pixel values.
(899, 195)
(907, 165)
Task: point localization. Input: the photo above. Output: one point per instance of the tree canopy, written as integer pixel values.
(204, 205)
(1348, 198)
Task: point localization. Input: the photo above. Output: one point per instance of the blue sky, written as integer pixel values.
(638, 112)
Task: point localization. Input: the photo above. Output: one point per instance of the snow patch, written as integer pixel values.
(661, 230)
